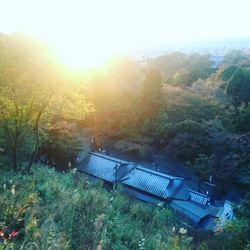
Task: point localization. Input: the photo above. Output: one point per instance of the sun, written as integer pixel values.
(82, 55)
(84, 34)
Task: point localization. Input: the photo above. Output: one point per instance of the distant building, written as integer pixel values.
(155, 187)
(216, 60)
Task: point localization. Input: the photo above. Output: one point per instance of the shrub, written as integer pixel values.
(52, 210)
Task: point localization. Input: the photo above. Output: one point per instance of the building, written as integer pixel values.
(216, 60)
(154, 187)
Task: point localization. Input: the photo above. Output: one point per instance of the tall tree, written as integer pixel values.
(238, 86)
(33, 89)
(202, 167)
(152, 93)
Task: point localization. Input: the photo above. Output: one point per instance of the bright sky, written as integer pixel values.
(89, 27)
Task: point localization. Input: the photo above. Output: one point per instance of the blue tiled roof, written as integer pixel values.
(142, 182)
(152, 182)
(104, 167)
(198, 197)
(189, 209)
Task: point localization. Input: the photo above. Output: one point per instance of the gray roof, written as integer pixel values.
(189, 209)
(104, 167)
(141, 182)
(181, 192)
(198, 197)
(133, 175)
(152, 182)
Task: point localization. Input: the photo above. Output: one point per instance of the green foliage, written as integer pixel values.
(34, 89)
(244, 209)
(66, 141)
(151, 93)
(228, 72)
(45, 105)
(190, 140)
(181, 69)
(63, 211)
(116, 95)
(237, 232)
(53, 210)
(238, 86)
(202, 167)
(190, 106)
(242, 121)
(160, 129)
(235, 57)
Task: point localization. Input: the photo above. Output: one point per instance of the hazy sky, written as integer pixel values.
(116, 25)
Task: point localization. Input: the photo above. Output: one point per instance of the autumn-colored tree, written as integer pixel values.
(152, 92)
(34, 88)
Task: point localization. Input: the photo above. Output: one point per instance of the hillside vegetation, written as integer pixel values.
(175, 105)
(51, 210)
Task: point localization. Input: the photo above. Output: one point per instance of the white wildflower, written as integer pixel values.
(182, 230)
(13, 191)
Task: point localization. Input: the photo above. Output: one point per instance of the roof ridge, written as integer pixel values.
(198, 193)
(158, 173)
(111, 158)
(126, 174)
(181, 185)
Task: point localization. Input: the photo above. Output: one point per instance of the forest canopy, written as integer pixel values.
(174, 105)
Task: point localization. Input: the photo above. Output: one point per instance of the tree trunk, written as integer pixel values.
(33, 156)
(13, 147)
(15, 157)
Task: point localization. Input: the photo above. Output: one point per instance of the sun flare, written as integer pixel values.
(86, 33)
(79, 57)
(81, 50)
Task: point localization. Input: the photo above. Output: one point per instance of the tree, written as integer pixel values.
(34, 89)
(189, 139)
(238, 86)
(160, 129)
(202, 168)
(228, 72)
(152, 93)
(242, 121)
(24, 92)
(182, 69)
(116, 95)
(234, 57)
(237, 232)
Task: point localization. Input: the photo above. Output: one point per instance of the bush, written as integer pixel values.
(52, 210)
(242, 121)
(238, 86)
(228, 72)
